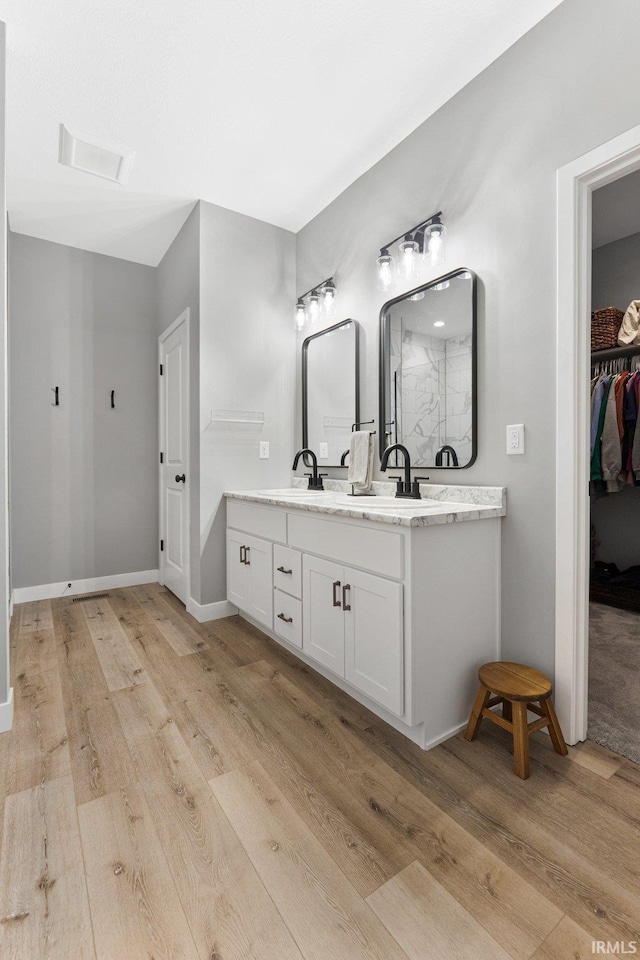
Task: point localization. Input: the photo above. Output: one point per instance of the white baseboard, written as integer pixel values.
(47, 591)
(459, 727)
(203, 612)
(6, 713)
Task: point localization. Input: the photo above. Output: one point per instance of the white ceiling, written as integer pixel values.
(616, 210)
(268, 108)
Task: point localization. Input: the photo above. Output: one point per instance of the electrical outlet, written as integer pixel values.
(264, 449)
(515, 438)
(324, 451)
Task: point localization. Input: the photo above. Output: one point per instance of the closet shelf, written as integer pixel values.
(614, 353)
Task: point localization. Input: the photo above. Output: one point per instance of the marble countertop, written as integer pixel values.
(438, 503)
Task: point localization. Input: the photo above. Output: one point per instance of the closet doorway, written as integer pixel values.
(577, 186)
(613, 710)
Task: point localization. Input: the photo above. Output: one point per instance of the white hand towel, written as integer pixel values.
(361, 460)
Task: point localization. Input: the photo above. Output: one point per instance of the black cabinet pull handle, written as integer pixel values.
(345, 605)
(242, 554)
(282, 570)
(281, 616)
(247, 550)
(336, 586)
(181, 479)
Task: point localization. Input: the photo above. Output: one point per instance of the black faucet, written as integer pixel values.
(315, 478)
(404, 488)
(343, 458)
(452, 456)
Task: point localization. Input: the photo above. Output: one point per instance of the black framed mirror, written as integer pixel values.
(428, 372)
(331, 390)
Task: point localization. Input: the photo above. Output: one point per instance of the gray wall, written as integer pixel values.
(83, 476)
(488, 159)
(247, 363)
(178, 287)
(616, 282)
(615, 278)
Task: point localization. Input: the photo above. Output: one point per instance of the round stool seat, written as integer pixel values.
(514, 681)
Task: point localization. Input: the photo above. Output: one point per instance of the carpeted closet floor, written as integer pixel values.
(614, 679)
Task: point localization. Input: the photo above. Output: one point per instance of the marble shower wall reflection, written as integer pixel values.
(431, 392)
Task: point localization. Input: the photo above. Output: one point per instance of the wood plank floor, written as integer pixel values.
(178, 791)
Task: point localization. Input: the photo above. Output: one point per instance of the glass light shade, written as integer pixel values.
(300, 314)
(385, 271)
(328, 294)
(313, 304)
(434, 252)
(408, 265)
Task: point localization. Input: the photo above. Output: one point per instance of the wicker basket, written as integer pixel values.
(605, 325)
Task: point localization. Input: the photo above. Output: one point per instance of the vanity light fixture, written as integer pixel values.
(426, 240)
(434, 236)
(313, 306)
(328, 295)
(310, 303)
(301, 314)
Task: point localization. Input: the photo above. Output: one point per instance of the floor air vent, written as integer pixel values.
(93, 596)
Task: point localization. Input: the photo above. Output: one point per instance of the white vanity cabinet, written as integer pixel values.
(398, 615)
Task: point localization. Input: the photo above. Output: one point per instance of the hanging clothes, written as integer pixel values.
(615, 434)
(596, 460)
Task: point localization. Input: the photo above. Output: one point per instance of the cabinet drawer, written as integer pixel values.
(287, 570)
(380, 551)
(287, 619)
(260, 521)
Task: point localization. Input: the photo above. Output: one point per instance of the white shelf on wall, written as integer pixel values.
(339, 423)
(228, 419)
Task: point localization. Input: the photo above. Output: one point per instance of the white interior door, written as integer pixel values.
(174, 457)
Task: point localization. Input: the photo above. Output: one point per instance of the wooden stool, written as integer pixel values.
(518, 688)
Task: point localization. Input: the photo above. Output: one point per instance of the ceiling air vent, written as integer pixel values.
(81, 151)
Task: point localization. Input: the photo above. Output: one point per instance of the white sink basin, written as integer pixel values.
(386, 503)
(295, 492)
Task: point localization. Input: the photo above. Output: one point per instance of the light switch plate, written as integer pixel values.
(324, 451)
(515, 438)
(264, 449)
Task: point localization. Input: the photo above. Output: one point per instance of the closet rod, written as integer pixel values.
(615, 352)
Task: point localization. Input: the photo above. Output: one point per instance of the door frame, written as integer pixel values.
(185, 317)
(576, 182)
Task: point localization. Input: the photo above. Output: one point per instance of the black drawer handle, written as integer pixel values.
(281, 616)
(282, 570)
(247, 551)
(336, 586)
(345, 605)
(243, 555)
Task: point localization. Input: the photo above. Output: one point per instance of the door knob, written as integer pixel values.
(180, 479)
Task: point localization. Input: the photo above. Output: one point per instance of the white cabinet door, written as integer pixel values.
(258, 557)
(237, 571)
(374, 637)
(323, 620)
